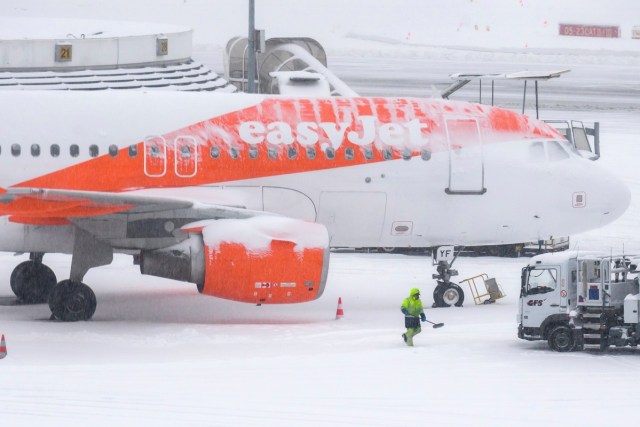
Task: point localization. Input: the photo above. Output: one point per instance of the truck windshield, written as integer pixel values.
(541, 280)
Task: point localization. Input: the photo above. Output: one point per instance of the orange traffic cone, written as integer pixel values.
(3, 348)
(339, 311)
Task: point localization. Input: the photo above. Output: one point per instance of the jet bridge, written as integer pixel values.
(289, 66)
(586, 139)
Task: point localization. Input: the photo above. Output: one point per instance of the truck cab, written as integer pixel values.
(545, 300)
(579, 301)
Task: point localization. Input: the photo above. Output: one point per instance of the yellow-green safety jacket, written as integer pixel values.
(412, 305)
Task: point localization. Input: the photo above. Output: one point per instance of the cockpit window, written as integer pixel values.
(536, 152)
(556, 152)
(541, 280)
(568, 147)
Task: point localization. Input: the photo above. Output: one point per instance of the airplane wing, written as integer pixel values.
(136, 215)
(39, 202)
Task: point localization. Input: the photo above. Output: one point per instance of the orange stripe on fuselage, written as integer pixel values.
(301, 119)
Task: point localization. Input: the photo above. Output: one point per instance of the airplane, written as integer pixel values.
(244, 195)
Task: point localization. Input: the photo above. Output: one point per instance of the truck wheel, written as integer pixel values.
(561, 339)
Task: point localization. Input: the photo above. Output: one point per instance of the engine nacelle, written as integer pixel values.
(261, 260)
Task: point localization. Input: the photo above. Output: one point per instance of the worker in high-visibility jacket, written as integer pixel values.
(413, 314)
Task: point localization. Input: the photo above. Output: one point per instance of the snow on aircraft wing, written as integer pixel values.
(59, 207)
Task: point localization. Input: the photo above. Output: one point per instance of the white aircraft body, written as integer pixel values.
(244, 194)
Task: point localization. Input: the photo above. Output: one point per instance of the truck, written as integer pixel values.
(580, 301)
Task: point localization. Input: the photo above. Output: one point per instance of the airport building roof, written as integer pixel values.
(39, 53)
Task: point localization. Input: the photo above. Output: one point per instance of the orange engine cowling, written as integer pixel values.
(263, 260)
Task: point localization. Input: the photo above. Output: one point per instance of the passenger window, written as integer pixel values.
(94, 150)
(330, 153)
(368, 153)
(292, 153)
(556, 152)
(133, 151)
(272, 152)
(35, 150)
(185, 152)
(233, 152)
(113, 150)
(253, 152)
(425, 154)
(311, 153)
(15, 150)
(55, 150)
(349, 153)
(214, 152)
(387, 154)
(74, 150)
(536, 152)
(406, 154)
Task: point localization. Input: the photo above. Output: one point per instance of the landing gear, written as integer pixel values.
(71, 301)
(446, 292)
(31, 281)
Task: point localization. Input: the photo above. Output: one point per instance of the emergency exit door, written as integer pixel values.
(466, 160)
(155, 156)
(186, 156)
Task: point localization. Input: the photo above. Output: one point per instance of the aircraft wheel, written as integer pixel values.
(71, 301)
(451, 295)
(561, 339)
(437, 295)
(32, 282)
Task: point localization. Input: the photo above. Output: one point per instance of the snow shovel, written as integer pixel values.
(435, 325)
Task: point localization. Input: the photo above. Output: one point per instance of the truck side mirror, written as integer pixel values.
(523, 281)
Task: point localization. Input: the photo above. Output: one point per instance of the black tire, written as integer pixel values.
(451, 294)
(437, 296)
(71, 301)
(32, 282)
(561, 339)
(388, 250)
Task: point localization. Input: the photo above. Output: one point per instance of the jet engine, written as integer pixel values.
(262, 260)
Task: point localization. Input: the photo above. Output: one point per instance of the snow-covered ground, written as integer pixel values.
(157, 353)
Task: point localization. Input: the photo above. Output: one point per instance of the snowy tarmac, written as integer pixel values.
(158, 353)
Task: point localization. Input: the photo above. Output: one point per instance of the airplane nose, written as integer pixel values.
(616, 198)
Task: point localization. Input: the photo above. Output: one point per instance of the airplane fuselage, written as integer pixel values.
(375, 171)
